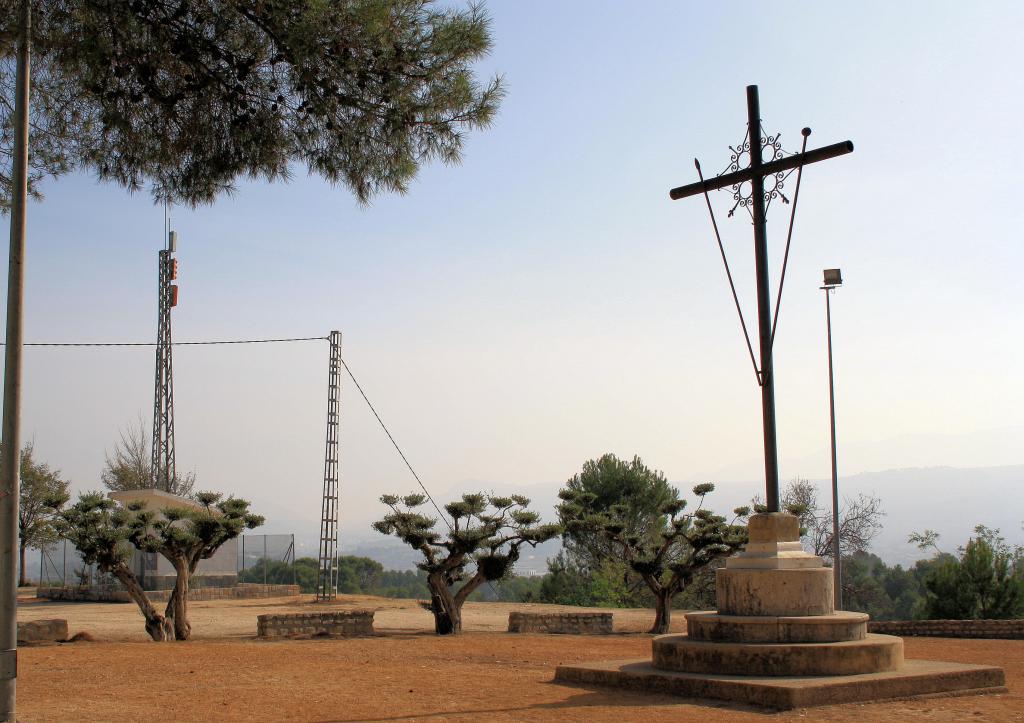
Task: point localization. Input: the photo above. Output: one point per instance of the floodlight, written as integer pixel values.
(833, 277)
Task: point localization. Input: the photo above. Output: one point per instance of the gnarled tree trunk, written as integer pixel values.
(662, 613)
(179, 600)
(22, 577)
(155, 623)
(447, 612)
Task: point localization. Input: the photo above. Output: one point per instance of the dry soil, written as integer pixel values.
(404, 673)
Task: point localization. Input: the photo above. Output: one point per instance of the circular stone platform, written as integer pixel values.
(874, 654)
(834, 628)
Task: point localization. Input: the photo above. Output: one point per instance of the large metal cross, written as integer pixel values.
(755, 174)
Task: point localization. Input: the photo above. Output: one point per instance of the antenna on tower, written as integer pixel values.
(162, 468)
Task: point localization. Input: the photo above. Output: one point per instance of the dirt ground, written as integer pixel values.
(405, 673)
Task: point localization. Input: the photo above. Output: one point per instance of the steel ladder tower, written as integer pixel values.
(327, 573)
(162, 469)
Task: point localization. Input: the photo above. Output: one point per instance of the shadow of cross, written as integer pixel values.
(755, 173)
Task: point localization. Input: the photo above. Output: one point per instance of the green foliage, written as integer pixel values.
(99, 529)
(638, 493)
(104, 533)
(654, 540)
(482, 545)
(984, 583)
(192, 95)
(41, 488)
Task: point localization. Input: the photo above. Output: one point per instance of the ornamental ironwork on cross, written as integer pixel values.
(757, 173)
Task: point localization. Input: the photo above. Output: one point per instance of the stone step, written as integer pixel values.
(837, 627)
(873, 654)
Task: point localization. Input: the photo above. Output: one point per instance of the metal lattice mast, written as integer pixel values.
(163, 393)
(327, 575)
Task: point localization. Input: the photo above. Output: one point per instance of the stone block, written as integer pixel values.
(560, 623)
(779, 593)
(773, 527)
(42, 631)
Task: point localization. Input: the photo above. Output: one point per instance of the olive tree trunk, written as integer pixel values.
(155, 622)
(662, 613)
(663, 594)
(179, 599)
(447, 612)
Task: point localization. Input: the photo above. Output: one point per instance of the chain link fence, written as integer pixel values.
(267, 559)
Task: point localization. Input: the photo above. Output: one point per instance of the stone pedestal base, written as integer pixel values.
(915, 678)
(777, 640)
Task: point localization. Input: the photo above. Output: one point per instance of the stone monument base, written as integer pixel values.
(777, 641)
(914, 678)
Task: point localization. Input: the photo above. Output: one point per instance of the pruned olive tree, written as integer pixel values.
(106, 533)
(101, 531)
(672, 548)
(482, 544)
(186, 535)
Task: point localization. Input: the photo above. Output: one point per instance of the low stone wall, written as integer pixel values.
(335, 624)
(42, 631)
(567, 623)
(242, 591)
(1011, 629)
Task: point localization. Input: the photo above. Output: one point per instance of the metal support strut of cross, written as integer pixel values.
(755, 174)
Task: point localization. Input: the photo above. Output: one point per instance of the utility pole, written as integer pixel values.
(9, 471)
(833, 279)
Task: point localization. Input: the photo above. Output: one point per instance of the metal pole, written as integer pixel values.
(836, 563)
(764, 306)
(264, 559)
(9, 472)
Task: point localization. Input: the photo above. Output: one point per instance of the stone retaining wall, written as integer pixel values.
(569, 623)
(335, 624)
(1012, 629)
(242, 591)
(42, 631)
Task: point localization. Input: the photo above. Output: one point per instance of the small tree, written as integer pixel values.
(101, 531)
(105, 533)
(638, 491)
(39, 484)
(860, 519)
(670, 552)
(482, 545)
(130, 466)
(187, 535)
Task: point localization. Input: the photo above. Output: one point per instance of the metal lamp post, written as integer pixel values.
(833, 279)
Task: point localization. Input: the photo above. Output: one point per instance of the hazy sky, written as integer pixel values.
(545, 302)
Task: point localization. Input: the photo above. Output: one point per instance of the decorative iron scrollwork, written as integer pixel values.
(739, 158)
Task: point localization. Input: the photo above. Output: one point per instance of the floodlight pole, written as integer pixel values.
(836, 559)
(9, 471)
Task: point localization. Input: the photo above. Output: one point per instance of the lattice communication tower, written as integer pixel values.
(163, 396)
(327, 575)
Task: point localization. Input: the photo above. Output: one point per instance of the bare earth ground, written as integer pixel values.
(405, 673)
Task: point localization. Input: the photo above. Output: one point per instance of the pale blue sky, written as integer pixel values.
(545, 302)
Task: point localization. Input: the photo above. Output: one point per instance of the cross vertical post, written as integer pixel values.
(764, 304)
(776, 168)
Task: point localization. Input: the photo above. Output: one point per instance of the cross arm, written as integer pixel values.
(767, 169)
